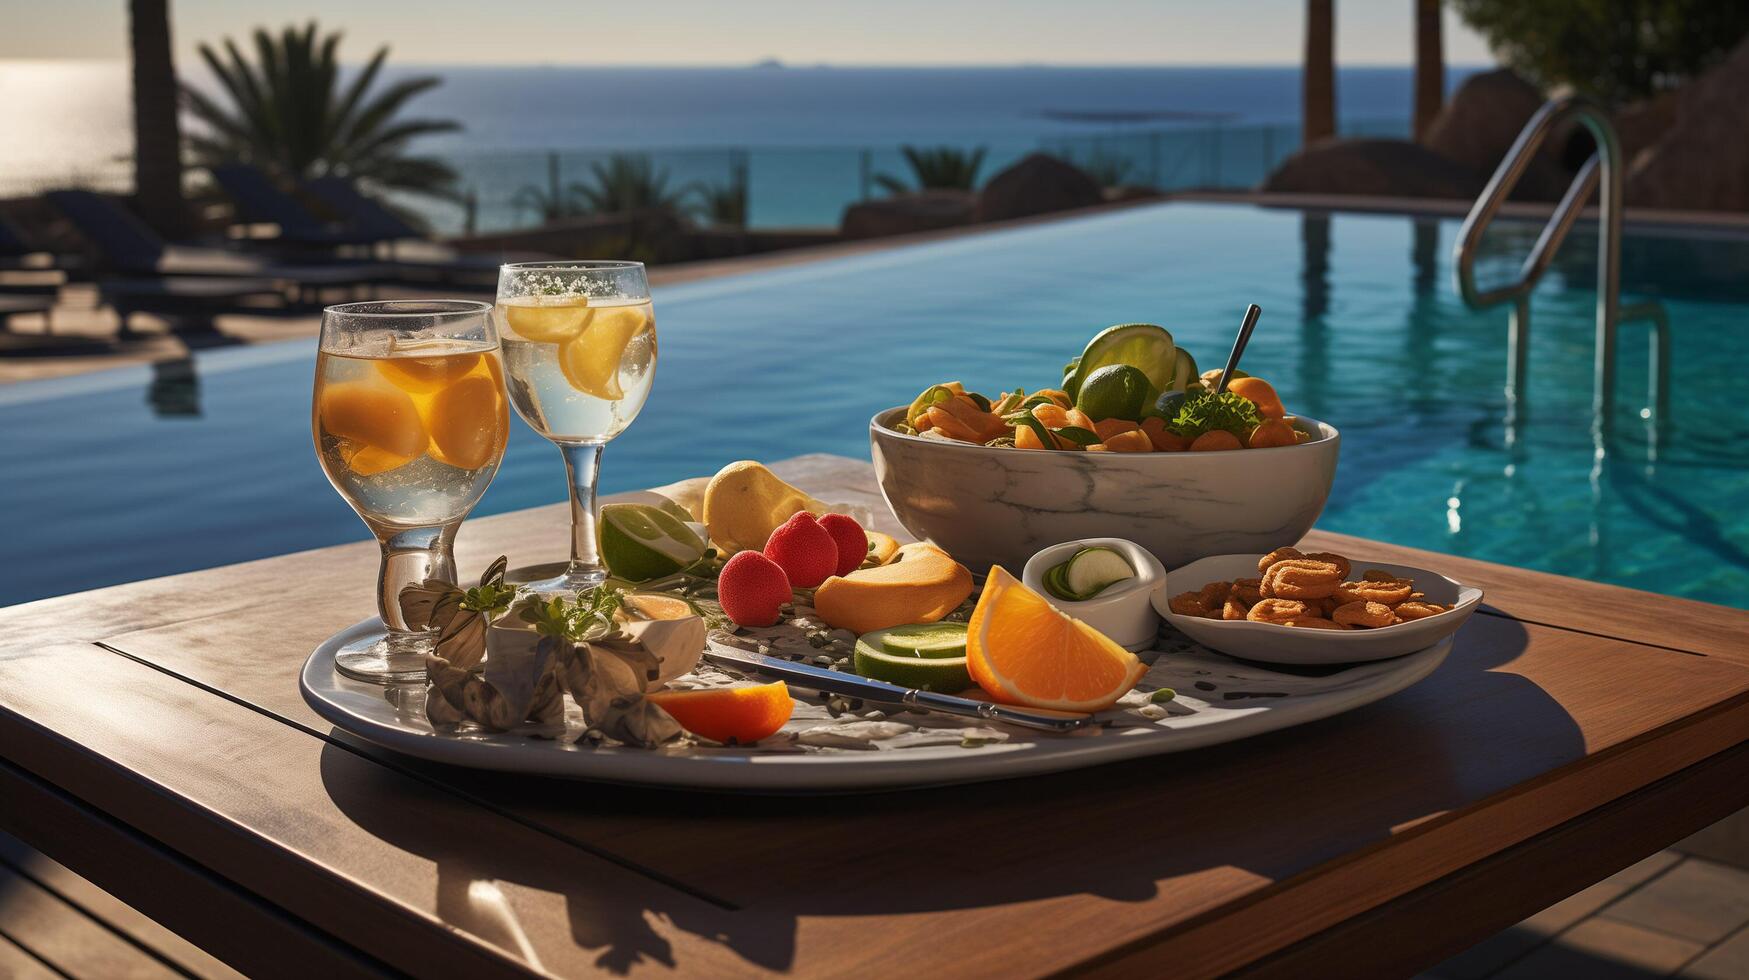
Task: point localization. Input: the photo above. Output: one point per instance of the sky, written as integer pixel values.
(714, 32)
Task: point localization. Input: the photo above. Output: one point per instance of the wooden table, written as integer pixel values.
(152, 739)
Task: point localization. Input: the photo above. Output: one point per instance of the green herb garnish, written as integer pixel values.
(1162, 696)
(1207, 412)
(587, 617)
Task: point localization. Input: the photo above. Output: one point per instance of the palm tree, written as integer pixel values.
(1429, 66)
(157, 145)
(938, 167)
(550, 202)
(626, 182)
(1318, 86)
(290, 115)
(724, 205)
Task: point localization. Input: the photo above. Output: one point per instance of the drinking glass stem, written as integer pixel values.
(410, 556)
(583, 466)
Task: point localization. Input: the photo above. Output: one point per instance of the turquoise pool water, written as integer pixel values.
(140, 472)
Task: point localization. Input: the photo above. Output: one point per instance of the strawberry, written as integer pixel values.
(752, 589)
(852, 543)
(804, 550)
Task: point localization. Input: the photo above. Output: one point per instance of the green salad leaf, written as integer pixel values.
(1205, 412)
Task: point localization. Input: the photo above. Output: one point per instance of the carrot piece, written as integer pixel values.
(1164, 439)
(1057, 395)
(1106, 428)
(1077, 417)
(1273, 432)
(1025, 438)
(1260, 393)
(949, 425)
(1053, 416)
(1215, 440)
(1133, 441)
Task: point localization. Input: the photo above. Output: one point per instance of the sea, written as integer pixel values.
(809, 136)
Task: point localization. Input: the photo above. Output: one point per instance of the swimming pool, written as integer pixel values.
(140, 472)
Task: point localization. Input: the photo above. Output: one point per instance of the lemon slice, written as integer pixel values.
(549, 323)
(590, 360)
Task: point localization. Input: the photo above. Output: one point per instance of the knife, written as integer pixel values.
(838, 682)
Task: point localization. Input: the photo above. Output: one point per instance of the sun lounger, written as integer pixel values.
(129, 247)
(259, 199)
(414, 255)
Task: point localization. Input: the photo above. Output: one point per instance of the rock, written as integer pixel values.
(1385, 168)
(1038, 184)
(903, 214)
(1703, 160)
(1480, 123)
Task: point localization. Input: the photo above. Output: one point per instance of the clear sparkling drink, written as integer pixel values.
(411, 435)
(579, 369)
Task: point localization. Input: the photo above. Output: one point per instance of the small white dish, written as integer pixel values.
(1269, 643)
(1124, 611)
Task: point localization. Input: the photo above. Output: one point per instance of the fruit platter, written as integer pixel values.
(748, 636)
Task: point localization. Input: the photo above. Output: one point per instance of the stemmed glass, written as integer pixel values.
(410, 423)
(580, 349)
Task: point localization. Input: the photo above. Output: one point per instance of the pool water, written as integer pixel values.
(139, 472)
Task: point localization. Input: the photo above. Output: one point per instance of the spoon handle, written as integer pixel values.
(1246, 325)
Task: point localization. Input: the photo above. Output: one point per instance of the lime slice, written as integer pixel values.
(590, 360)
(1140, 345)
(925, 640)
(1185, 372)
(1093, 570)
(640, 542)
(943, 674)
(552, 322)
(1115, 391)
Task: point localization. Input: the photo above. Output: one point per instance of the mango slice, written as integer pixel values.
(374, 414)
(920, 585)
(469, 422)
(548, 322)
(745, 502)
(422, 375)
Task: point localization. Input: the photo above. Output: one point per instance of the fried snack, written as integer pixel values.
(1316, 623)
(1418, 610)
(1378, 575)
(1215, 593)
(1341, 563)
(1371, 615)
(1278, 611)
(1249, 590)
(1235, 607)
(1279, 554)
(1369, 590)
(1188, 604)
(1301, 578)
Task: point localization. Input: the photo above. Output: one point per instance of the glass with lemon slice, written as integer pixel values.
(580, 354)
(409, 421)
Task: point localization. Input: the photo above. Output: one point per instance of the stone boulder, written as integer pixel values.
(1480, 123)
(1380, 168)
(1038, 184)
(903, 214)
(1703, 160)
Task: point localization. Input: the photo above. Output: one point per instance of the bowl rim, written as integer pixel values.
(1328, 434)
(1469, 599)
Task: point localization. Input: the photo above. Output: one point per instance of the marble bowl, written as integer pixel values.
(989, 506)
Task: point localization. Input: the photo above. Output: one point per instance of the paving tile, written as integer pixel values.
(1604, 949)
(1700, 900)
(1726, 841)
(1728, 960)
(1640, 871)
(1488, 956)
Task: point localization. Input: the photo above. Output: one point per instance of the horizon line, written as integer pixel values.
(784, 65)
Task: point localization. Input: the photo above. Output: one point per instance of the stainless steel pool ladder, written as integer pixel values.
(1604, 169)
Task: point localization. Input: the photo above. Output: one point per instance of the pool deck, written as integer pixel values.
(151, 742)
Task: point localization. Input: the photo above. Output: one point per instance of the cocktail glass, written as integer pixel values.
(580, 354)
(410, 421)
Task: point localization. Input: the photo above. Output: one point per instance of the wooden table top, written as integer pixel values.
(153, 739)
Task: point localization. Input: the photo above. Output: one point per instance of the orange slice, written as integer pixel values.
(469, 422)
(375, 415)
(1021, 650)
(741, 715)
(423, 375)
(590, 360)
(553, 320)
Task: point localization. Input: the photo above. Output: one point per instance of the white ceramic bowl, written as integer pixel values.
(1270, 643)
(991, 506)
(1123, 612)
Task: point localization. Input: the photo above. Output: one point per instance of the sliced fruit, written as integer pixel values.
(1115, 391)
(745, 502)
(1022, 650)
(369, 461)
(374, 414)
(656, 605)
(1093, 570)
(553, 321)
(920, 585)
(731, 715)
(469, 421)
(1260, 393)
(640, 542)
(881, 547)
(923, 639)
(590, 360)
(422, 375)
(1140, 345)
(941, 670)
(1184, 372)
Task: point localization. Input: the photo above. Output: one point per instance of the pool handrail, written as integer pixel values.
(1602, 170)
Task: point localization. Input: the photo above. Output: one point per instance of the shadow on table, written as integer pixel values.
(1127, 832)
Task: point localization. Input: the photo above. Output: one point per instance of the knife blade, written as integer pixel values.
(838, 682)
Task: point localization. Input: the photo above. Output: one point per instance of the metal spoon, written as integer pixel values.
(1246, 325)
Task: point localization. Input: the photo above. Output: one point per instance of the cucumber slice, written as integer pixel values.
(1093, 570)
(924, 640)
(936, 671)
(1056, 585)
